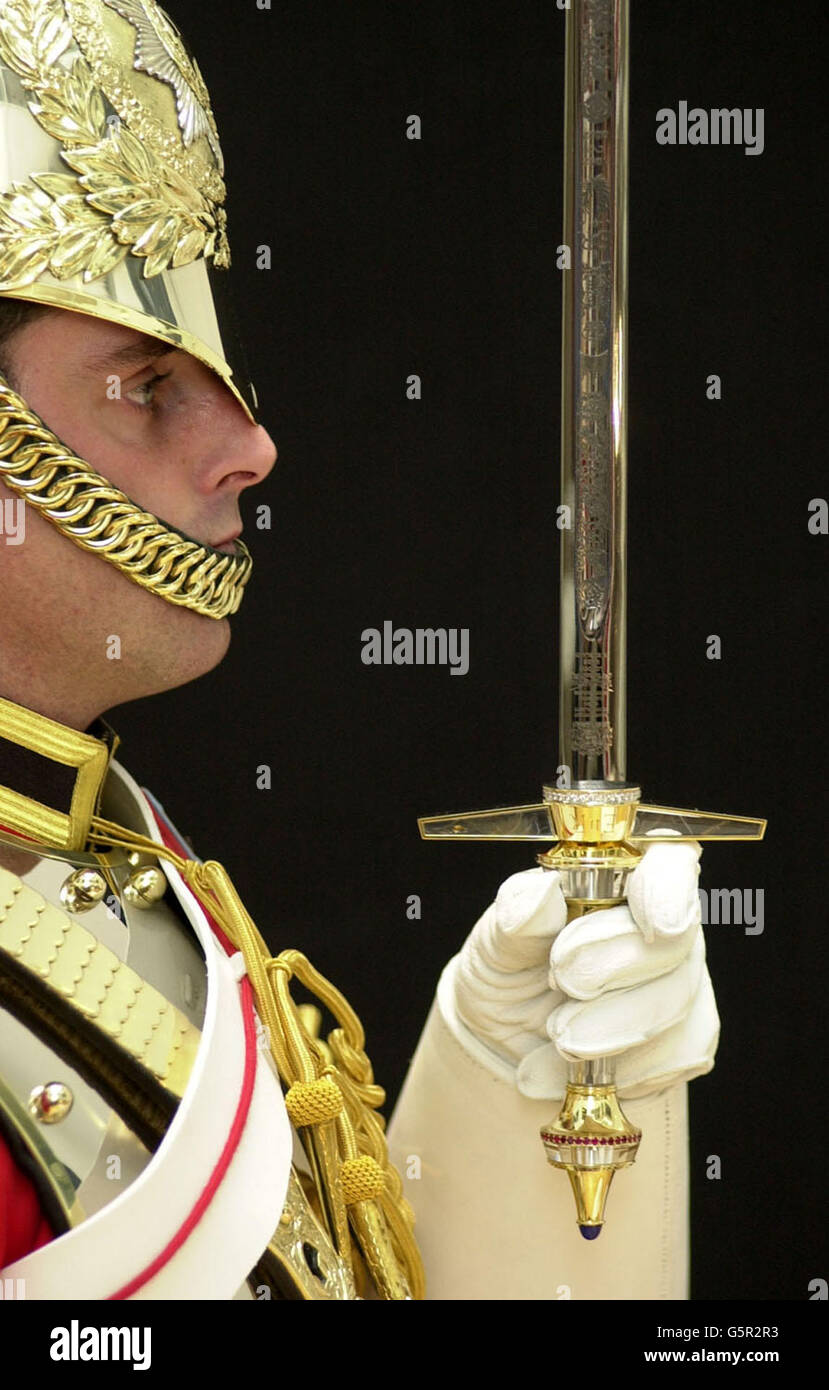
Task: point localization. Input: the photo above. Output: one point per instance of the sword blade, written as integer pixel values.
(593, 578)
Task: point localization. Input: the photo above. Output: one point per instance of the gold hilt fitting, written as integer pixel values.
(590, 1139)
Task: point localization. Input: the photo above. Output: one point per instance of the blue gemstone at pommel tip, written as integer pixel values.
(590, 1232)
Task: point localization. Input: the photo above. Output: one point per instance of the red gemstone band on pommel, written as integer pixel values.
(594, 1139)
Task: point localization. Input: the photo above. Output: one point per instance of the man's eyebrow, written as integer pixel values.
(127, 356)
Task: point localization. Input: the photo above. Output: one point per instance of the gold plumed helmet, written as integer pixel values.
(111, 204)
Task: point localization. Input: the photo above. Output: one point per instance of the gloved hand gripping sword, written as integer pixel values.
(596, 817)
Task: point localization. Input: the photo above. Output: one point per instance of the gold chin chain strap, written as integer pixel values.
(100, 518)
(331, 1097)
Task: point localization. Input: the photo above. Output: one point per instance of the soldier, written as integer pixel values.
(172, 1126)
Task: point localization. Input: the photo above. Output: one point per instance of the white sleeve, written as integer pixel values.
(493, 1219)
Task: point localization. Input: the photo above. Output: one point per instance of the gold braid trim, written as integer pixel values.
(84, 506)
(364, 1188)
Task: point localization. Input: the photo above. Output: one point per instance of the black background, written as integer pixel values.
(437, 257)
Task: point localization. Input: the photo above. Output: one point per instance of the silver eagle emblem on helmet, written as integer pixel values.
(160, 52)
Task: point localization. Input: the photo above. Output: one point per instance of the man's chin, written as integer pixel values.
(207, 644)
(180, 648)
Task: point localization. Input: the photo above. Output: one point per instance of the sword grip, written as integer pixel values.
(590, 1138)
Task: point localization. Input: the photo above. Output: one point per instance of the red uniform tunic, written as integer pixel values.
(23, 1227)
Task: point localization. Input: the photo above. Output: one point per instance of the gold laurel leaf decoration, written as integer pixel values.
(17, 40)
(76, 249)
(25, 208)
(221, 253)
(119, 202)
(69, 112)
(107, 254)
(136, 217)
(53, 41)
(184, 250)
(21, 264)
(131, 154)
(155, 235)
(165, 248)
(41, 232)
(61, 187)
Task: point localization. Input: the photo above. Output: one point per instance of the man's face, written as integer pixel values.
(165, 430)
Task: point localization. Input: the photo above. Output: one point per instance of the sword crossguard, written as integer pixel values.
(547, 820)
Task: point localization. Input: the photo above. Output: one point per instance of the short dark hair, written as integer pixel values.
(14, 315)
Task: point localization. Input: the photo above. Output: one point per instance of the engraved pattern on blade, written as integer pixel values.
(593, 520)
(593, 460)
(592, 731)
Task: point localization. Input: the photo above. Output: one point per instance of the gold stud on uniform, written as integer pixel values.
(50, 1103)
(144, 887)
(83, 890)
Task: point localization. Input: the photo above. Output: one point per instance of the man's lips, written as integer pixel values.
(196, 536)
(228, 544)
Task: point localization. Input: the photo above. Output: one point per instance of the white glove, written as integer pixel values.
(627, 981)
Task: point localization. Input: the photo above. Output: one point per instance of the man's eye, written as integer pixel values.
(145, 393)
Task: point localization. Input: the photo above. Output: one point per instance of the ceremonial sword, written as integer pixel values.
(594, 815)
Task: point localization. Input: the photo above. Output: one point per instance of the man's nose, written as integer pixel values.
(256, 457)
(241, 453)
